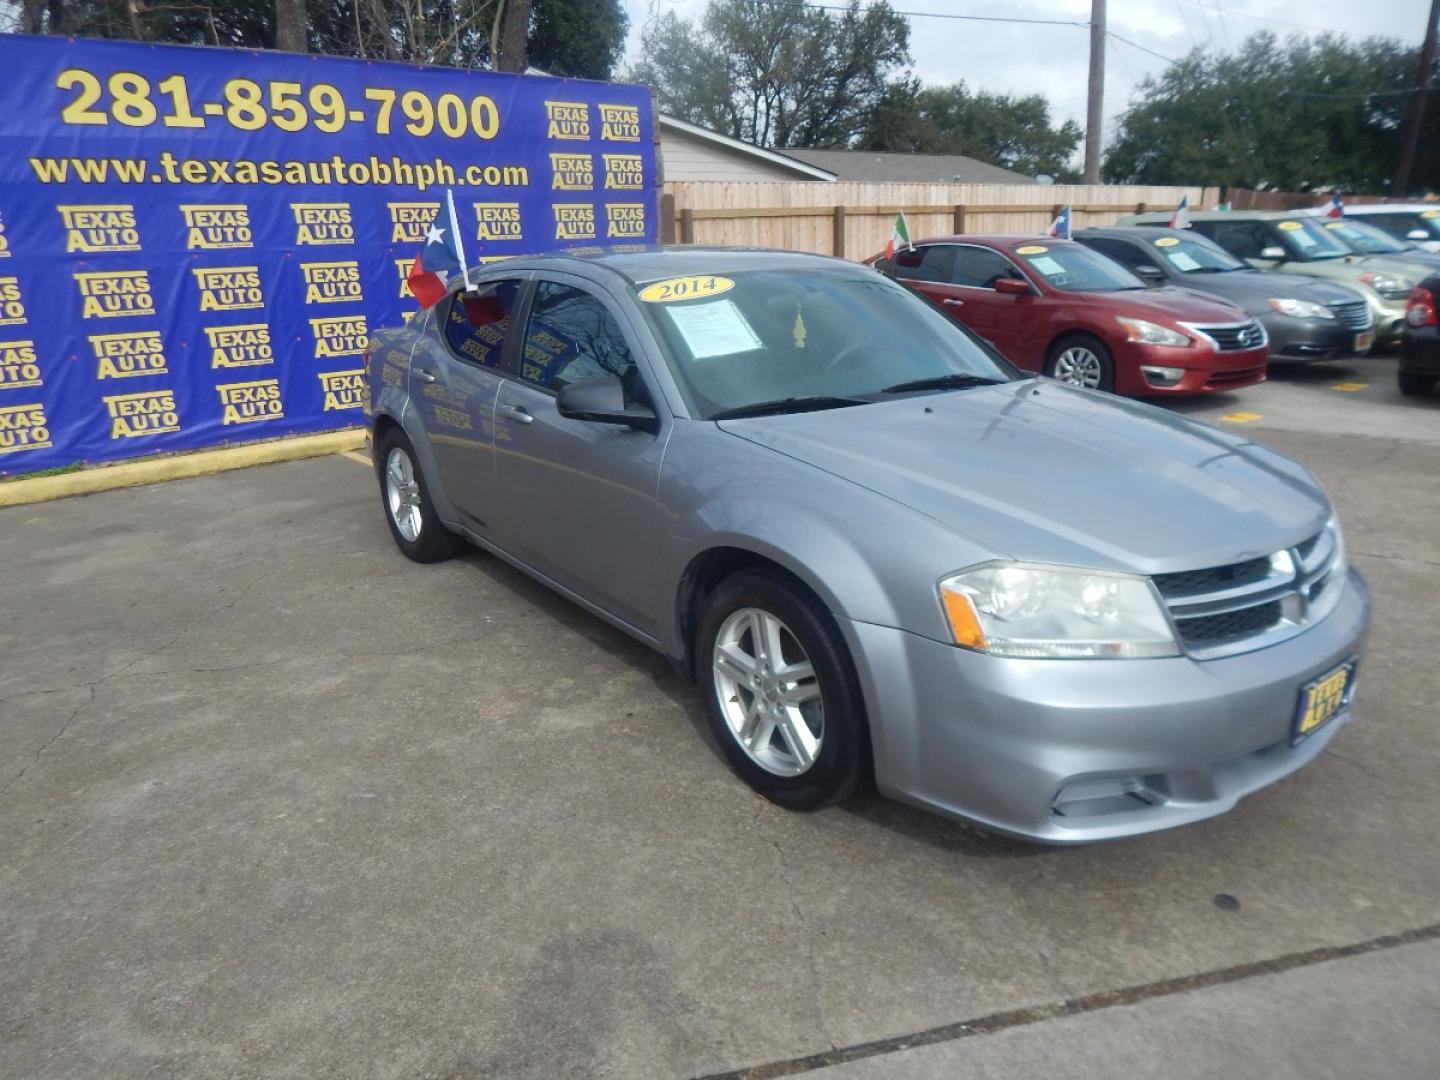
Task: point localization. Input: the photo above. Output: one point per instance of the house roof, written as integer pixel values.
(803, 170)
(926, 168)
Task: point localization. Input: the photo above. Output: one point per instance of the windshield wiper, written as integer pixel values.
(954, 381)
(789, 404)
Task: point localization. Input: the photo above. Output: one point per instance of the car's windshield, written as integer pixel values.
(1364, 239)
(1306, 241)
(1073, 267)
(1195, 255)
(758, 336)
(1403, 223)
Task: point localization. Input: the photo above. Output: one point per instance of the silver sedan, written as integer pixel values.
(885, 554)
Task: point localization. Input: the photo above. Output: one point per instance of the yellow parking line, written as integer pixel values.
(361, 458)
(1241, 417)
(1350, 387)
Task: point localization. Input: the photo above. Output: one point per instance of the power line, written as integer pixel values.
(1142, 48)
(1215, 7)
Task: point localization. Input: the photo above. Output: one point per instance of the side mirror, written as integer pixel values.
(1417, 234)
(1009, 286)
(1151, 275)
(602, 401)
(1274, 253)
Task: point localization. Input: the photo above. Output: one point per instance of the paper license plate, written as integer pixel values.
(1364, 341)
(1322, 699)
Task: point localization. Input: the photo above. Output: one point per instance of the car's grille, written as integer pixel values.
(1354, 314)
(1230, 608)
(1244, 377)
(1190, 582)
(1207, 629)
(1235, 338)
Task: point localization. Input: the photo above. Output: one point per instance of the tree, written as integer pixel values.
(583, 39)
(1002, 129)
(290, 25)
(1303, 114)
(775, 74)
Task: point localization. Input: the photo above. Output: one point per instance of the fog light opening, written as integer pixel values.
(1162, 376)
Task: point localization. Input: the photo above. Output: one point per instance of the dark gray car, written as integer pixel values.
(1306, 319)
(883, 552)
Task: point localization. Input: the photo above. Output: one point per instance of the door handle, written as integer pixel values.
(517, 413)
(950, 301)
(425, 375)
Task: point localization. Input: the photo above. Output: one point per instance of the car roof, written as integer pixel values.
(1219, 215)
(999, 240)
(638, 264)
(1362, 209)
(1135, 233)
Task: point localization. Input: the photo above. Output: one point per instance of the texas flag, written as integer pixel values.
(1060, 227)
(1180, 219)
(442, 255)
(1335, 207)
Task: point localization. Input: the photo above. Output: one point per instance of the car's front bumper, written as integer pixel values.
(1073, 751)
(1303, 340)
(1205, 369)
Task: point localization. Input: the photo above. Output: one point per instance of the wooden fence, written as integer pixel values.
(853, 219)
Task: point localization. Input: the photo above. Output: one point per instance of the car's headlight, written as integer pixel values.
(1388, 285)
(1149, 333)
(1302, 309)
(1009, 609)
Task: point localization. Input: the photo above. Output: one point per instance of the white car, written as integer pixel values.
(1418, 223)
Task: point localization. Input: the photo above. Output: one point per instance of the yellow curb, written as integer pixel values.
(1241, 417)
(156, 470)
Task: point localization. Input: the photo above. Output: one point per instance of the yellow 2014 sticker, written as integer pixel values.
(1167, 241)
(1290, 226)
(1430, 213)
(685, 288)
(1335, 225)
(1033, 249)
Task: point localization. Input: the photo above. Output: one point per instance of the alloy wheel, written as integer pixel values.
(402, 493)
(1079, 366)
(768, 692)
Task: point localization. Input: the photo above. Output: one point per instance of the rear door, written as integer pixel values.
(576, 498)
(455, 374)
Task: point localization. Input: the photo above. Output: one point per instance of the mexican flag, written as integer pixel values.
(899, 237)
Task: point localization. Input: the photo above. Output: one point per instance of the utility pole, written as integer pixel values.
(1416, 113)
(1095, 101)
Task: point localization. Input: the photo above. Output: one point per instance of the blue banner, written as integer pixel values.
(196, 243)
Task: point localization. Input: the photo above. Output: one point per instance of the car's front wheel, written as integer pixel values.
(781, 693)
(409, 510)
(1081, 360)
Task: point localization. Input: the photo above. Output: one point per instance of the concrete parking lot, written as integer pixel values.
(276, 802)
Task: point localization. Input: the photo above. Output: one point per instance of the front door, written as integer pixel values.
(455, 372)
(1000, 318)
(577, 499)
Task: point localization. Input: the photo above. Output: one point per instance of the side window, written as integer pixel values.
(476, 324)
(978, 268)
(1243, 239)
(1127, 255)
(929, 263)
(572, 336)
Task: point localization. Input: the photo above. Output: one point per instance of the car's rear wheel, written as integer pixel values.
(409, 510)
(781, 693)
(1415, 384)
(1081, 360)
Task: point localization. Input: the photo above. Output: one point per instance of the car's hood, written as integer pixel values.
(1038, 471)
(1253, 289)
(1402, 265)
(1170, 304)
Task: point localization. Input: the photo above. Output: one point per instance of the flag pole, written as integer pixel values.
(459, 239)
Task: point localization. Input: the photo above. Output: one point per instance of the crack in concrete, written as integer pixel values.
(811, 962)
(1054, 975)
(1102, 999)
(51, 741)
(1396, 558)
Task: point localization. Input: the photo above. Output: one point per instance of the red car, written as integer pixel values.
(1057, 307)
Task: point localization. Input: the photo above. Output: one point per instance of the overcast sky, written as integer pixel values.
(1053, 60)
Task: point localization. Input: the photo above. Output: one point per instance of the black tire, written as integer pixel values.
(1095, 346)
(1416, 384)
(432, 542)
(841, 762)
